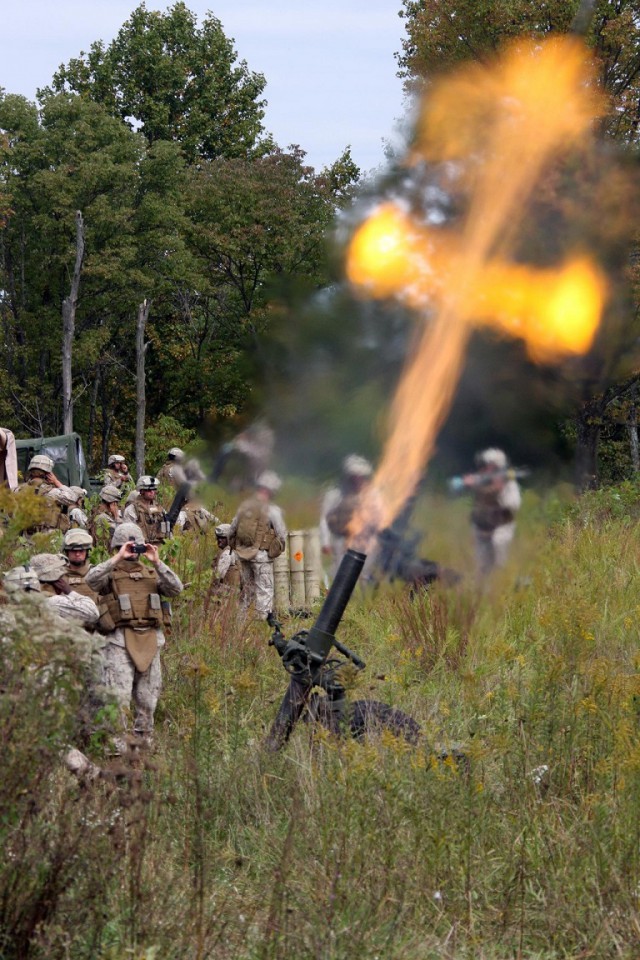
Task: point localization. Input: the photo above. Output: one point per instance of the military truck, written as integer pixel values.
(70, 466)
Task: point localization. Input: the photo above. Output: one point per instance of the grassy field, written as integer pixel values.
(213, 848)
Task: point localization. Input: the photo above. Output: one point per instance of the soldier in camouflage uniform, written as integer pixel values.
(258, 535)
(106, 515)
(226, 564)
(76, 546)
(131, 618)
(147, 513)
(172, 471)
(338, 507)
(493, 517)
(52, 570)
(117, 473)
(77, 515)
(42, 480)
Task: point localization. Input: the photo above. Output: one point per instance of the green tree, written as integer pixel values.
(173, 80)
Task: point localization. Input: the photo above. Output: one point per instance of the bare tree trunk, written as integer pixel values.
(632, 428)
(69, 305)
(141, 349)
(92, 415)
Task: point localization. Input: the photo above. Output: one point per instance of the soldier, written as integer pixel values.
(77, 515)
(194, 516)
(146, 513)
(496, 501)
(117, 472)
(227, 567)
(339, 505)
(258, 534)
(51, 570)
(131, 618)
(76, 546)
(41, 479)
(171, 470)
(107, 515)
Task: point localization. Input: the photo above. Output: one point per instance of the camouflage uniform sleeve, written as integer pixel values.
(277, 521)
(62, 495)
(509, 497)
(130, 514)
(73, 606)
(331, 499)
(169, 583)
(98, 577)
(224, 563)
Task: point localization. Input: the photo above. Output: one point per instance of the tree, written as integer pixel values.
(173, 81)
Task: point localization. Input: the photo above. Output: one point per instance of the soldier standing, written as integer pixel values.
(131, 618)
(227, 567)
(146, 513)
(77, 514)
(496, 502)
(76, 546)
(107, 515)
(171, 470)
(43, 481)
(117, 472)
(339, 505)
(259, 534)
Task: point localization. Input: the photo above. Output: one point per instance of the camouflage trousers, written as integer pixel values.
(492, 548)
(126, 682)
(257, 586)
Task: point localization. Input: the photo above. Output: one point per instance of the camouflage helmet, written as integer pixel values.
(492, 457)
(49, 567)
(21, 579)
(176, 454)
(41, 462)
(80, 492)
(124, 532)
(77, 540)
(115, 458)
(110, 493)
(269, 480)
(147, 482)
(223, 530)
(356, 466)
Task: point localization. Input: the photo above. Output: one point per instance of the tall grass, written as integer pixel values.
(214, 848)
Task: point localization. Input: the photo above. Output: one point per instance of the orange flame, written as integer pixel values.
(501, 126)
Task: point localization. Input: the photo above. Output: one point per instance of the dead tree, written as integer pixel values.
(69, 305)
(141, 349)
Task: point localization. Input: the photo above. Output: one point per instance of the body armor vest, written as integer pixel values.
(132, 602)
(151, 521)
(339, 518)
(254, 531)
(487, 514)
(196, 520)
(75, 578)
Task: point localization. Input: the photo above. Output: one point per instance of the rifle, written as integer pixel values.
(474, 481)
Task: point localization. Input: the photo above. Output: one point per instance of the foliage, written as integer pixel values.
(332, 848)
(173, 81)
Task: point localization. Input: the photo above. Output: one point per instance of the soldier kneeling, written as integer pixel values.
(131, 618)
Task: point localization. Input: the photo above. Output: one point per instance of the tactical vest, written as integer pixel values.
(132, 602)
(339, 518)
(254, 531)
(75, 578)
(151, 521)
(197, 519)
(487, 514)
(56, 517)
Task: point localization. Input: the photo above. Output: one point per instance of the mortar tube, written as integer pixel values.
(319, 642)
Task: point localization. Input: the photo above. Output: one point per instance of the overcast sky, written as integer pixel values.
(329, 64)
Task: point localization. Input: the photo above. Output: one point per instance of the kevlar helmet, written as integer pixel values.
(41, 462)
(115, 458)
(77, 540)
(176, 454)
(223, 530)
(80, 493)
(147, 482)
(492, 457)
(356, 466)
(49, 567)
(110, 493)
(21, 579)
(124, 532)
(269, 480)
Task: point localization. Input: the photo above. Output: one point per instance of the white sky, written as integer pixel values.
(329, 64)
